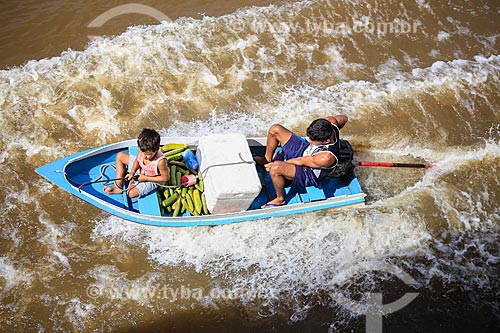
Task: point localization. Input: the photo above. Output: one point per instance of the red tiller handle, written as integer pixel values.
(395, 165)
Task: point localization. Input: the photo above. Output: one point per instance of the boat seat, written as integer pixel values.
(315, 193)
(149, 204)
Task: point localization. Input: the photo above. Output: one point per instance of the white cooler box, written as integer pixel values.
(231, 185)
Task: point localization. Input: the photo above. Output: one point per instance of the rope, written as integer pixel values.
(204, 172)
(103, 168)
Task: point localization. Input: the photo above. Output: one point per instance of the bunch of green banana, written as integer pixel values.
(177, 200)
(173, 151)
(181, 199)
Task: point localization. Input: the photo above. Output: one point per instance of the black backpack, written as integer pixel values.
(344, 166)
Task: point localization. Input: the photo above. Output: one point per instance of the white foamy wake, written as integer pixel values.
(360, 99)
(295, 256)
(14, 274)
(176, 69)
(245, 81)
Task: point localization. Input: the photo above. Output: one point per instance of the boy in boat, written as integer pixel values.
(305, 161)
(151, 163)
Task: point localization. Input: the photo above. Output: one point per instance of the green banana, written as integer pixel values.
(177, 208)
(183, 206)
(200, 185)
(176, 157)
(189, 202)
(174, 152)
(172, 146)
(170, 200)
(204, 202)
(178, 177)
(173, 170)
(186, 205)
(198, 205)
(179, 164)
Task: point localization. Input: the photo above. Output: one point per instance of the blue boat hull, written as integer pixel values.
(69, 172)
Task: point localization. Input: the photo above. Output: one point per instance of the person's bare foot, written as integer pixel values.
(273, 203)
(113, 190)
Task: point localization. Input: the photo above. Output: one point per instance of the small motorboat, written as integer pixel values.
(83, 175)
